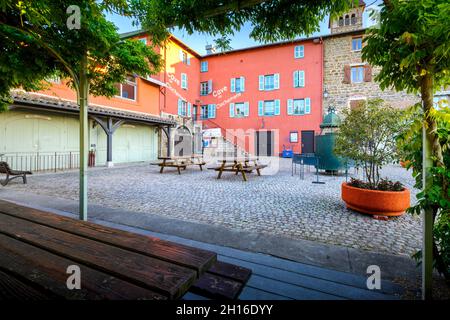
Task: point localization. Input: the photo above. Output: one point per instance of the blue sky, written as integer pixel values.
(241, 39)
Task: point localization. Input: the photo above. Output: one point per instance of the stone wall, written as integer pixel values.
(337, 54)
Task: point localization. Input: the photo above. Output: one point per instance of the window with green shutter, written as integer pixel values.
(299, 79)
(184, 81)
(299, 52)
(269, 108)
(269, 82)
(183, 108)
(204, 66)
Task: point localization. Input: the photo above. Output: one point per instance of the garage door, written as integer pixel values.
(31, 139)
(131, 143)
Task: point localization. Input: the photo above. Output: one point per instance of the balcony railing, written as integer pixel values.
(42, 161)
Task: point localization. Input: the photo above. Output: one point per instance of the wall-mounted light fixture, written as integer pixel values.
(325, 93)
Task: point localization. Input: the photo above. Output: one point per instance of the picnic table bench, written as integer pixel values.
(239, 165)
(37, 247)
(181, 162)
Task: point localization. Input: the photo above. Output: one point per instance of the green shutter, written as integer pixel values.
(189, 107)
(301, 51)
(295, 77)
(307, 105)
(246, 109)
(276, 81)
(301, 79)
(233, 85)
(261, 83)
(211, 111)
(180, 107)
(242, 84)
(277, 107)
(231, 110)
(210, 84)
(260, 108)
(290, 107)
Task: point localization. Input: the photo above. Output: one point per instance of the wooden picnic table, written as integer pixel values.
(181, 162)
(238, 165)
(37, 247)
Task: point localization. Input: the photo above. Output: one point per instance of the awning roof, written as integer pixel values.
(44, 102)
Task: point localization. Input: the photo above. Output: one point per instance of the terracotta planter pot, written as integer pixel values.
(381, 203)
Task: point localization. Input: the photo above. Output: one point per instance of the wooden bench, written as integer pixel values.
(36, 247)
(180, 163)
(12, 174)
(237, 167)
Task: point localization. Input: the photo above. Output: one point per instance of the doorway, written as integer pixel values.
(264, 143)
(308, 141)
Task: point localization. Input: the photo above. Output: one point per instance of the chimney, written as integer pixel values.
(210, 49)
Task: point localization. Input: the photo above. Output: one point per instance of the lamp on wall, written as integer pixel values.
(325, 93)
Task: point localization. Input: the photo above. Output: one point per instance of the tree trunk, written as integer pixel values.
(84, 138)
(428, 217)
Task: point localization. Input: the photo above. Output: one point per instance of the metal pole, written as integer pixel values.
(427, 216)
(84, 91)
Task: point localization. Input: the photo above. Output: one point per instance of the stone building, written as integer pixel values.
(348, 80)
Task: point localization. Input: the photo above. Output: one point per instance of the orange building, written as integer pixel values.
(263, 98)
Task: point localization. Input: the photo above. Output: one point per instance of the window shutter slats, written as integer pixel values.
(231, 110)
(261, 83)
(246, 109)
(301, 79)
(242, 84)
(276, 81)
(260, 108)
(180, 106)
(347, 74)
(213, 111)
(210, 89)
(189, 109)
(295, 77)
(367, 73)
(277, 107)
(290, 107)
(233, 85)
(307, 106)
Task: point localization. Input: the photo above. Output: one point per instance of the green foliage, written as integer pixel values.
(366, 136)
(437, 195)
(411, 40)
(38, 43)
(272, 20)
(383, 185)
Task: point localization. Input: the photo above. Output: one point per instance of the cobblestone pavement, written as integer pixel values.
(278, 204)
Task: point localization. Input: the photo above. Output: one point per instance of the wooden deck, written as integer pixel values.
(37, 247)
(280, 279)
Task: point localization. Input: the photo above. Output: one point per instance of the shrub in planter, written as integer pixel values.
(367, 136)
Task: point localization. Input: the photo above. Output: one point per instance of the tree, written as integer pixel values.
(367, 136)
(412, 47)
(409, 144)
(40, 40)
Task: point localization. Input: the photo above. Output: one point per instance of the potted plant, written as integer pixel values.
(367, 136)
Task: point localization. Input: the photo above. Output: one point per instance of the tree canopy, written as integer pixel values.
(412, 40)
(36, 43)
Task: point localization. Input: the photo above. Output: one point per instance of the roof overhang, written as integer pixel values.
(47, 103)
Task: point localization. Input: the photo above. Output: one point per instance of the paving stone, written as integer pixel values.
(276, 204)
